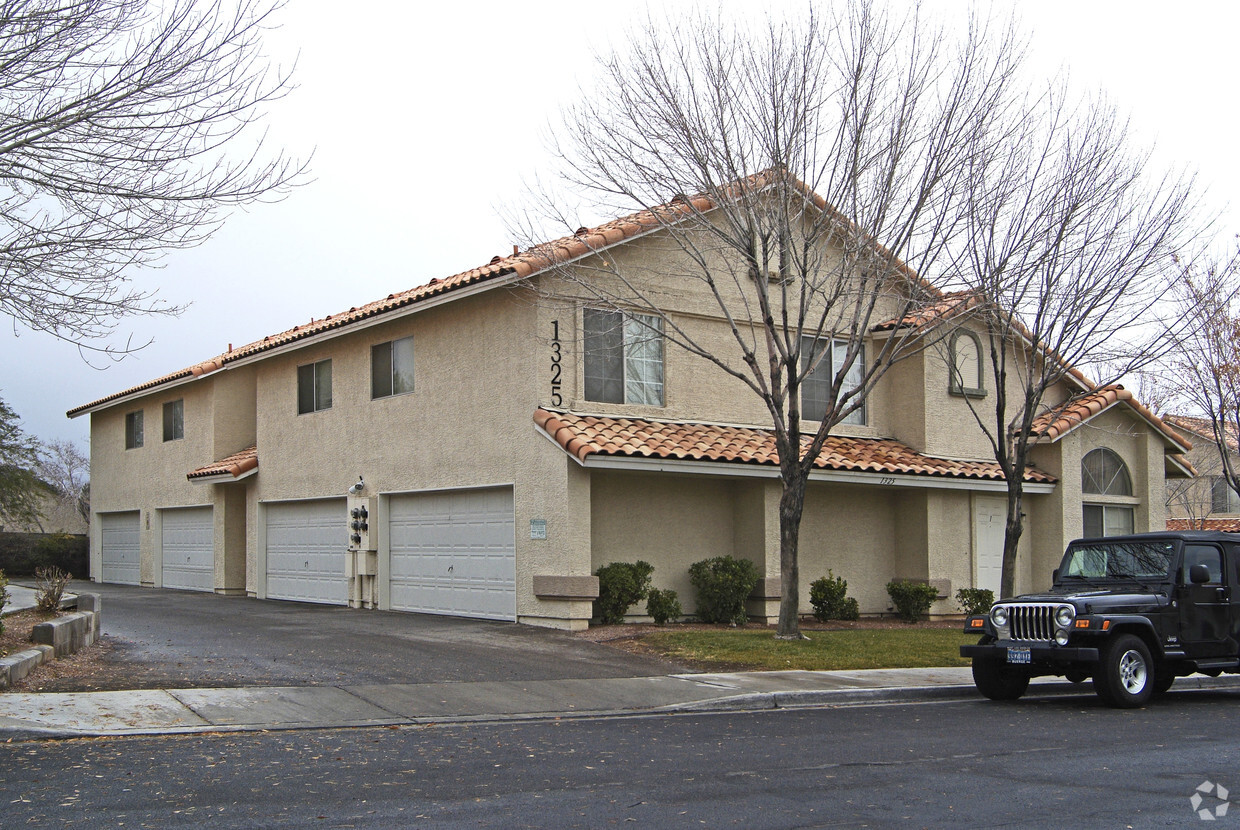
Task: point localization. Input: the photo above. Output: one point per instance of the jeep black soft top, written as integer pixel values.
(1132, 612)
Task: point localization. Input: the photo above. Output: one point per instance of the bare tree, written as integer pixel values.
(805, 178)
(120, 126)
(1204, 368)
(1070, 245)
(66, 469)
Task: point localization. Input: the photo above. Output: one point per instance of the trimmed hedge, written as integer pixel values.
(21, 554)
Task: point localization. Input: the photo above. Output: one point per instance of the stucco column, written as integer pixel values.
(755, 536)
(230, 538)
(556, 587)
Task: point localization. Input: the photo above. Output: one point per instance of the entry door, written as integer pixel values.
(1204, 608)
(989, 518)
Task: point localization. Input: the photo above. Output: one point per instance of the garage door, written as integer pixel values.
(454, 553)
(188, 548)
(306, 543)
(120, 548)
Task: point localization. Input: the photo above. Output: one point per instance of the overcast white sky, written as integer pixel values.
(425, 120)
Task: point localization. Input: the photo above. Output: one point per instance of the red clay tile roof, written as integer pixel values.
(519, 265)
(1202, 428)
(1223, 525)
(947, 307)
(1055, 424)
(234, 465)
(584, 435)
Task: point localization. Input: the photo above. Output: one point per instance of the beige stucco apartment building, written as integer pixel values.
(500, 466)
(1205, 501)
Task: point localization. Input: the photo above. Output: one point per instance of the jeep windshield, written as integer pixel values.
(1118, 560)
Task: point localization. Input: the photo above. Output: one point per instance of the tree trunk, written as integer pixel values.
(1012, 531)
(791, 508)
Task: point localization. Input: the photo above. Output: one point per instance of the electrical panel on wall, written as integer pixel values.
(361, 514)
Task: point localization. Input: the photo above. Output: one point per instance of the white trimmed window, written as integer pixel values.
(623, 357)
(816, 387)
(1223, 499)
(174, 420)
(133, 430)
(1104, 474)
(966, 365)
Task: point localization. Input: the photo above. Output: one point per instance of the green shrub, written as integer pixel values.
(21, 554)
(621, 585)
(50, 587)
(723, 584)
(663, 606)
(829, 596)
(912, 599)
(975, 600)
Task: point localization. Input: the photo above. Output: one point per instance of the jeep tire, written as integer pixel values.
(1125, 676)
(999, 681)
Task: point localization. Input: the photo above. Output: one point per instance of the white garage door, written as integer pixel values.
(120, 548)
(306, 544)
(188, 548)
(454, 553)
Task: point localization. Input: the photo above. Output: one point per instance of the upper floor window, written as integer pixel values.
(816, 387)
(314, 387)
(174, 420)
(133, 430)
(1223, 499)
(623, 357)
(391, 368)
(966, 365)
(1103, 473)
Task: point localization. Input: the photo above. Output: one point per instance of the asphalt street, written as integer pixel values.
(1043, 762)
(182, 638)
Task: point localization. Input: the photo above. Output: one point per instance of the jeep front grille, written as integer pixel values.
(1032, 621)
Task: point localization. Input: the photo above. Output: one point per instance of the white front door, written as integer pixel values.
(188, 539)
(989, 518)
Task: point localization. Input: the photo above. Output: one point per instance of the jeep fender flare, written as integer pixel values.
(1133, 624)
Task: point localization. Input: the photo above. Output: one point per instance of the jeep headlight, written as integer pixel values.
(999, 616)
(1064, 615)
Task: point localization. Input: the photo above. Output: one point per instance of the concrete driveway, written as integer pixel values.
(162, 638)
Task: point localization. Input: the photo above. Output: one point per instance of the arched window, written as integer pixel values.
(966, 365)
(1104, 473)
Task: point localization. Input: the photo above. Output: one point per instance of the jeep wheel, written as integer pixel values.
(1125, 676)
(999, 681)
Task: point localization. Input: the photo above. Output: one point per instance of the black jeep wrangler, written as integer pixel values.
(1132, 612)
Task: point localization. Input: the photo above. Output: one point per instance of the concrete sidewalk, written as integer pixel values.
(177, 711)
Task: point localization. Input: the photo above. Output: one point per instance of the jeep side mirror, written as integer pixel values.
(1055, 576)
(1198, 574)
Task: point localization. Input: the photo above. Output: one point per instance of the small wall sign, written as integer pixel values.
(538, 528)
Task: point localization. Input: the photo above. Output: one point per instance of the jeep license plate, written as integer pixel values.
(1018, 654)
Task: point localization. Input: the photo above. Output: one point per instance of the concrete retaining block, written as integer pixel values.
(91, 604)
(66, 635)
(16, 666)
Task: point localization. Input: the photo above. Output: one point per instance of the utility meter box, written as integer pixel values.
(361, 514)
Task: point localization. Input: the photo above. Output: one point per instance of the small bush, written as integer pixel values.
(975, 600)
(829, 596)
(912, 599)
(663, 606)
(4, 598)
(50, 587)
(723, 583)
(621, 585)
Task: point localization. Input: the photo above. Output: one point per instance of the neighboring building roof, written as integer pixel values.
(1203, 428)
(1222, 525)
(1058, 422)
(233, 467)
(583, 436)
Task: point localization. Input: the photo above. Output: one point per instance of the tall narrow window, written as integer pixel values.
(174, 420)
(1103, 473)
(816, 388)
(966, 365)
(133, 430)
(391, 368)
(314, 387)
(1223, 499)
(623, 357)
